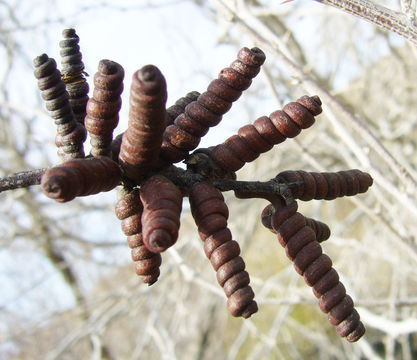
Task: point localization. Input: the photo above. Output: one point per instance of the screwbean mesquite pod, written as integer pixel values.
(141, 159)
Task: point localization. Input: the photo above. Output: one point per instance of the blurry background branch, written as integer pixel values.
(401, 22)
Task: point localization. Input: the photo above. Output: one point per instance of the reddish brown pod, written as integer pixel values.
(103, 108)
(326, 186)
(321, 230)
(207, 111)
(179, 107)
(253, 140)
(80, 177)
(301, 247)
(73, 75)
(210, 213)
(70, 134)
(162, 202)
(142, 140)
(129, 210)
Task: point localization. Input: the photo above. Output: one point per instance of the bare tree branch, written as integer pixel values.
(398, 22)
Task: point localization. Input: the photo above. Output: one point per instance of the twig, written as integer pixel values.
(22, 179)
(388, 19)
(261, 189)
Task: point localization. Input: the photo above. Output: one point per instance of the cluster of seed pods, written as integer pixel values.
(150, 202)
(210, 213)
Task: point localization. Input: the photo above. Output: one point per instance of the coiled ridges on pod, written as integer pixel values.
(129, 210)
(72, 69)
(207, 111)
(179, 107)
(210, 213)
(162, 202)
(253, 140)
(326, 186)
(302, 248)
(70, 134)
(80, 177)
(142, 140)
(321, 230)
(103, 108)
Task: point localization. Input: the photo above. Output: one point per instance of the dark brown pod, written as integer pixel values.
(179, 107)
(210, 214)
(73, 75)
(70, 134)
(129, 209)
(147, 121)
(253, 140)
(162, 202)
(115, 147)
(321, 229)
(304, 250)
(207, 110)
(103, 108)
(326, 186)
(80, 177)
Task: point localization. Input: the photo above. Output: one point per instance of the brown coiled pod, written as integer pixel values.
(80, 177)
(207, 111)
(178, 108)
(142, 140)
(129, 210)
(302, 248)
(210, 213)
(172, 112)
(70, 134)
(321, 230)
(73, 73)
(115, 147)
(253, 140)
(162, 202)
(326, 186)
(103, 108)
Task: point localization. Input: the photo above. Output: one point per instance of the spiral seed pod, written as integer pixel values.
(207, 111)
(73, 73)
(129, 209)
(147, 121)
(70, 134)
(162, 202)
(210, 213)
(80, 177)
(103, 108)
(115, 147)
(179, 107)
(172, 112)
(326, 186)
(302, 248)
(321, 230)
(253, 140)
